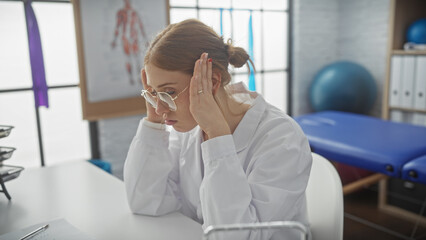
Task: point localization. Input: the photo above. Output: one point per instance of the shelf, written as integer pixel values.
(403, 13)
(407, 109)
(409, 52)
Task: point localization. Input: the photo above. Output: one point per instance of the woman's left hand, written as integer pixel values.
(203, 106)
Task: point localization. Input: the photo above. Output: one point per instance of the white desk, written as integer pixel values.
(88, 198)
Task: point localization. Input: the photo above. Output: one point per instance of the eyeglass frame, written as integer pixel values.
(144, 92)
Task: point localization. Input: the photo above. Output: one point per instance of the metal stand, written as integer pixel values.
(7, 173)
(3, 189)
(10, 172)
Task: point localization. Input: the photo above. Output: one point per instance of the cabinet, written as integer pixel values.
(404, 101)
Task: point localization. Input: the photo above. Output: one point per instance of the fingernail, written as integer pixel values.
(210, 60)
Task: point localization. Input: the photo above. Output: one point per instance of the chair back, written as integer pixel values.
(324, 198)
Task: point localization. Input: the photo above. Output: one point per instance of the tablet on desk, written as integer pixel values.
(58, 229)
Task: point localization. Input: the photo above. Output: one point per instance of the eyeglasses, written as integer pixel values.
(164, 96)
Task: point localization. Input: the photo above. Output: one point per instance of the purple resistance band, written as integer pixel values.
(36, 57)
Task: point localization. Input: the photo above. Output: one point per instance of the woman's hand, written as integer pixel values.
(152, 116)
(203, 106)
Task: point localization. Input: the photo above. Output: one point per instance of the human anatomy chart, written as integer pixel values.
(115, 36)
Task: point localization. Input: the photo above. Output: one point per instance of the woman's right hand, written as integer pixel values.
(152, 116)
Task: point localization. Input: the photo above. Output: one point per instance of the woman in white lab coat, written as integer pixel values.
(225, 160)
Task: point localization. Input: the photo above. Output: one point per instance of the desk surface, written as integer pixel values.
(88, 198)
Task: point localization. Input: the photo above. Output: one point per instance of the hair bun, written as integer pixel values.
(238, 57)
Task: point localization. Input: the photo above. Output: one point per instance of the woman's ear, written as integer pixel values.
(216, 81)
(143, 78)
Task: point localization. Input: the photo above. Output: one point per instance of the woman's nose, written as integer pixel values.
(162, 107)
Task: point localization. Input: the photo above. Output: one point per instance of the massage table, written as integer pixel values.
(415, 170)
(387, 148)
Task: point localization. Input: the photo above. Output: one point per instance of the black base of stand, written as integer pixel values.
(4, 190)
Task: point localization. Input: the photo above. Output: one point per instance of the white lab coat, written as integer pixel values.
(257, 174)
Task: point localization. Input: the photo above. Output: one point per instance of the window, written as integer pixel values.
(45, 135)
(58, 133)
(270, 22)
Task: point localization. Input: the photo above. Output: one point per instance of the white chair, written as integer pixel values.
(324, 198)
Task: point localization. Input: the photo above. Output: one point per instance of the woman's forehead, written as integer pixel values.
(158, 77)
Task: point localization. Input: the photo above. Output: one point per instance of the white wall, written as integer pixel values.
(115, 136)
(363, 38)
(315, 43)
(331, 30)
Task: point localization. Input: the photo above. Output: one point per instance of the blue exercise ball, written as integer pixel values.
(343, 86)
(416, 33)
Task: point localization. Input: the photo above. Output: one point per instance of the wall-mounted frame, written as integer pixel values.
(112, 38)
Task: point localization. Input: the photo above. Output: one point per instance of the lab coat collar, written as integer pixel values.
(245, 130)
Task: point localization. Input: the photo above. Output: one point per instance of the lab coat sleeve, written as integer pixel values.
(271, 189)
(151, 172)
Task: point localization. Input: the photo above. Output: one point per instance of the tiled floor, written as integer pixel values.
(364, 221)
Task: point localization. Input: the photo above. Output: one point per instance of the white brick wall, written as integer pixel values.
(115, 136)
(315, 37)
(363, 38)
(347, 30)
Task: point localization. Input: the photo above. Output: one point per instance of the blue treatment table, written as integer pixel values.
(366, 142)
(388, 148)
(415, 170)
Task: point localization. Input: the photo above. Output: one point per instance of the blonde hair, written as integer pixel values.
(179, 45)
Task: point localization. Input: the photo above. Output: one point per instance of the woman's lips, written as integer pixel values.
(170, 122)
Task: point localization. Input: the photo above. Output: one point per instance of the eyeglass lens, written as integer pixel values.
(163, 97)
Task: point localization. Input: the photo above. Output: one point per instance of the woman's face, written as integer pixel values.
(172, 82)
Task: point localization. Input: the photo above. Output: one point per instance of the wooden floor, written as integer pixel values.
(363, 220)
